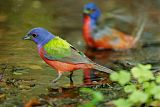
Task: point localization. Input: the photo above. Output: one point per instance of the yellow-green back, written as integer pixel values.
(57, 48)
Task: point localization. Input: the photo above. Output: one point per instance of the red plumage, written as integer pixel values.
(62, 66)
(106, 41)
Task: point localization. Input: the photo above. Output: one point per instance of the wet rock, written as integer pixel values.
(2, 97)
(124, 64)
(34, 66)
(24, 87)
(3, 18)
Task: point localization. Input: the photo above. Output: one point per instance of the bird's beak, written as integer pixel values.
(27, 37)
(86, 11)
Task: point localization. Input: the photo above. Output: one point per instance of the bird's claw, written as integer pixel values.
(54, 81)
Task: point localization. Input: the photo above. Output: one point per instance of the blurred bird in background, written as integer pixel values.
(106, 37)
(59, 54)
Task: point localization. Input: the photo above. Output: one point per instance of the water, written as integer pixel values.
(25, 76)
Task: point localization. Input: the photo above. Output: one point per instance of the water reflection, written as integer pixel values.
(102, 57)
(94, 77)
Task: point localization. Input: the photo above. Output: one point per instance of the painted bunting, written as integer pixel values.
(105, 38)
(59, 54)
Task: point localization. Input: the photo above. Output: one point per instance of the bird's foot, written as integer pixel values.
(55, 80)
(70, 77)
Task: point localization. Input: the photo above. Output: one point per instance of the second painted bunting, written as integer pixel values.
(59, 54)
(106, 37)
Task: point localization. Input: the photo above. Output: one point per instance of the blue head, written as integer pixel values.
(39, 35)
(92, 11)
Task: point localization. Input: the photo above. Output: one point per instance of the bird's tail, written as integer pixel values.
(140, 28)
(102, 68)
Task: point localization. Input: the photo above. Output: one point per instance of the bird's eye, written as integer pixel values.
(34, 35)
(88, 9)
(93, 10)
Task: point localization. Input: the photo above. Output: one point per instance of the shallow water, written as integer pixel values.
(24, 75)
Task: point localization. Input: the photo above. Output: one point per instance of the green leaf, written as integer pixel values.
(148, 87)
(158, 79)
(97, 97)
(138, 97)
(129, 88)
(96, 94)
(142, 73)
(121, 77)
(114, 76)
(156, 92)
(122, 103)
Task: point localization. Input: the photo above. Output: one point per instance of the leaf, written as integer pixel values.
(158, 79)
(142, 73)
(138, 97)
(96, 94)
(121, 77)
(148, 87)
(97, 97)
(114, 76)
(122, 103)
(129, 88)
(156, 92)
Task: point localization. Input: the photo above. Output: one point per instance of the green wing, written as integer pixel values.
(60, 50)
(57, 48)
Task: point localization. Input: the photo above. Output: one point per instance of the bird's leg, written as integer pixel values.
(59, 76)
(70, 76)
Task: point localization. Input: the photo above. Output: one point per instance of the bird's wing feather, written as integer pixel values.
(104, 32)
(113, 36)
(60, 50)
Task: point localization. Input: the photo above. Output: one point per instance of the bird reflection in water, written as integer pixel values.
(91, 76)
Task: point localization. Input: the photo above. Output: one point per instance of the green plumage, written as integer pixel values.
(58, 48)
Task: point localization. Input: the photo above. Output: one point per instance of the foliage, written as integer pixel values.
(97, 97)
(120, 77)
(144, 91)
(122, 102)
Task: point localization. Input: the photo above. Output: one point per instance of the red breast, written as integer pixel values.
(105, 41)
(87, 31)
(62, 66)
